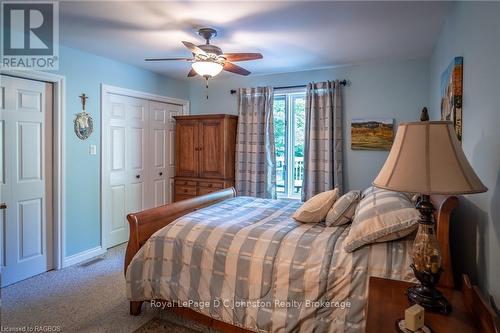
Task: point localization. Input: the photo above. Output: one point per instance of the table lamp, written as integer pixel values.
(426, 158)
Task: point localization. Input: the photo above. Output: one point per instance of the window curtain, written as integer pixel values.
(323, 139)
(255, 152)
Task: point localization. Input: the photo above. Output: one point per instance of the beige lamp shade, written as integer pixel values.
(426, 158)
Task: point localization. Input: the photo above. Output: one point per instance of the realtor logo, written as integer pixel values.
(30, 35)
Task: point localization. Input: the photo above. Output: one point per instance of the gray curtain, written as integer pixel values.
(323, 139)
(255, 152)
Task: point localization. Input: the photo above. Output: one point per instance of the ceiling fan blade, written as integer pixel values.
(167, 59)
(235, 69)
(242, 56)
(193, 48)
(192, 73)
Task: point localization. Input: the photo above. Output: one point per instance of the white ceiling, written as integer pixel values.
(291, 36)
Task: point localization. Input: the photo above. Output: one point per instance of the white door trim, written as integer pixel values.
(109, 89)
(59, 85)
(105, 88)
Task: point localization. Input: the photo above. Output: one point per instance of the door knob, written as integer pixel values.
(137, 176)
(3, 205)
(161, 173)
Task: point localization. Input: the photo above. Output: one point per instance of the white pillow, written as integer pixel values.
(315, 209)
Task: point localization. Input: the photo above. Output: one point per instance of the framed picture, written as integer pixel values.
(372, 133)
(451, 94)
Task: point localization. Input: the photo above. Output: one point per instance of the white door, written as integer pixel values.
(162, 136)
(173, 110)
(126, 121)
(25, 178)
(138, 160)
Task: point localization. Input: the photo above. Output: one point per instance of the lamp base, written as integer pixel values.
(427, 262)
(428, 297)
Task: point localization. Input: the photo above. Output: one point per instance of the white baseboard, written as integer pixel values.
(83, 256)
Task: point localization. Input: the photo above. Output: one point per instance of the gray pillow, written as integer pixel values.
(381, 216)
(343, 209)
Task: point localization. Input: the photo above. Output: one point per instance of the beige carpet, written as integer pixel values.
(82, 298)
(173, 324)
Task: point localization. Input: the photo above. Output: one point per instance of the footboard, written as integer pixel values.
(144, 224)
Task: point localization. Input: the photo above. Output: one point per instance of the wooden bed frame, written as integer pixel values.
(144, 224)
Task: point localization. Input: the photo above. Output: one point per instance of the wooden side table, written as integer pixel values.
(387, 302)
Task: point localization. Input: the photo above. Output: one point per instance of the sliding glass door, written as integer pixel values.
(289, 123)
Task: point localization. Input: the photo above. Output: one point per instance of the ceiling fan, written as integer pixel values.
(208, 60)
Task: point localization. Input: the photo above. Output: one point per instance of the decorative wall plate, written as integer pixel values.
(83, 123)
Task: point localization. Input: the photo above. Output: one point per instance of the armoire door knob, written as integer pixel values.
(161, 173)
(137, 176)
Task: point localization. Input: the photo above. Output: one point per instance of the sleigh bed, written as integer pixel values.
(241, 264)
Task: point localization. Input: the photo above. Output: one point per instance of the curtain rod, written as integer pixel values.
(342, 83)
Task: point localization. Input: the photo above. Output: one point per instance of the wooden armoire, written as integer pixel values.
(204, 154)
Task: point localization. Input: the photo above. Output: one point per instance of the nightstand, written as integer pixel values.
(387, 302)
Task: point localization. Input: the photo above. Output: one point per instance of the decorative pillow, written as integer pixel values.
(381, 216)
(343, 209)
(315, 209)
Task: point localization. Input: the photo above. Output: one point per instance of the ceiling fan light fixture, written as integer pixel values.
(207, 68)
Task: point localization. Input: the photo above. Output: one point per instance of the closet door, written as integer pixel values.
(161, 161)
(124, 154)
(212, 148)
(137, 145)
(26, 224)
(173, 110)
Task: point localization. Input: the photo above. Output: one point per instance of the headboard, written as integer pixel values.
(444, 206)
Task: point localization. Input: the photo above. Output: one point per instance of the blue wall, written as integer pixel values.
(473, 31)
(84, 73)
(395, 89)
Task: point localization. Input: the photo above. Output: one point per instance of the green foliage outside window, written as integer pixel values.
(300, 118)
(279, 126)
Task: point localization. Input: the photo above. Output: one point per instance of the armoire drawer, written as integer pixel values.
(185, 183)
(206, 190)
(180, 197)
(185, 190)
(214, 185)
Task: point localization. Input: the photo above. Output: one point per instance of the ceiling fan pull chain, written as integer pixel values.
(206, 85)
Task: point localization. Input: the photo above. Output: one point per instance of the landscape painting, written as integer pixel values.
(372, 134)
(451, 94)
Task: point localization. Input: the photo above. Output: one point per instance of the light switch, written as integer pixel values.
(93, 150)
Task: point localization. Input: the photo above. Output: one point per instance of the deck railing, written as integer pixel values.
(298, 173)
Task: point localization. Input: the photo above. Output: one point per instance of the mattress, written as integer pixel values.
(247, 262)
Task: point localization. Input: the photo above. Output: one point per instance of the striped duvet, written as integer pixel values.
(246, 262)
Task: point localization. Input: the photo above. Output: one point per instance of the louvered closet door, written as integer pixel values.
(162, 163)
(126, 149)
(25, 178)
